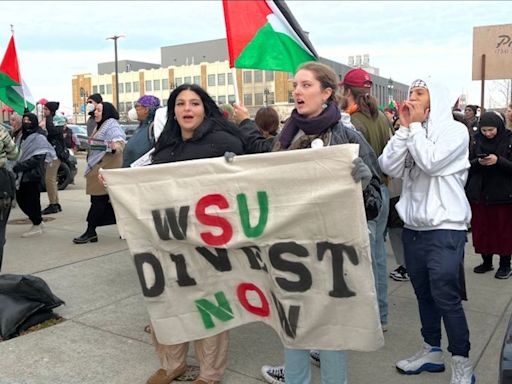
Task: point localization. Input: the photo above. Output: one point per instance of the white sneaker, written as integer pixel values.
(314, 357)
(429, 359)
(36, 230)
(273, 375)
(462, 371)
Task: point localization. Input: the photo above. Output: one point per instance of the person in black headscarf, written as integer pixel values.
(110, 139)
(489, 191)
(92, 101)
(35, 153)
(55, 136)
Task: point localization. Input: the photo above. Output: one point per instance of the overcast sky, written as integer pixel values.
(405, 40)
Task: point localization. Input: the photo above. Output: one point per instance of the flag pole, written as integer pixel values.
(235, 85)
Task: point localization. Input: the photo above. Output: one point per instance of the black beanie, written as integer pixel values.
(96, 97)
(52, 106)
(474, 108)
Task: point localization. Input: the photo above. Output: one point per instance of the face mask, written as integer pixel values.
(132, 114)
(26, 126)
(90, 107)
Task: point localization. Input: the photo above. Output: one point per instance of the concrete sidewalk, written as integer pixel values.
(102, 340)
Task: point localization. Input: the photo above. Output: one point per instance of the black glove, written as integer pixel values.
(16, 168)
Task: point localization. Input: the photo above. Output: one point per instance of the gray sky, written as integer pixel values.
(405, 40)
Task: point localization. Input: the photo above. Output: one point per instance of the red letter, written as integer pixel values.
(214, 221)
(241, 292)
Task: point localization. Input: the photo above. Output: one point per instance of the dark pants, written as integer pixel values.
(28, 197)
(4, 216)
(101, 212)
(433, 260)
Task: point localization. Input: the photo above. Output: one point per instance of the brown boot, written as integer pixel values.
(203, 381)
(163, 377)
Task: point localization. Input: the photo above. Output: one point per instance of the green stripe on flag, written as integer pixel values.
(6, 80)
(13, 99)
(273, 50)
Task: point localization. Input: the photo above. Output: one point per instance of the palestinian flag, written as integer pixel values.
(13, 90)
(263, 34)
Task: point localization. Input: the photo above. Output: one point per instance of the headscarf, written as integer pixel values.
(108, 112)
(28, 129)
(52, 106)
(96, 97)
(310, 126)
(490, 119)
(149, 101)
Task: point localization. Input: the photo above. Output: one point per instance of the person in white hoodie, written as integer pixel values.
(429, 152)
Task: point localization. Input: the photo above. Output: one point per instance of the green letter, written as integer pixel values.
(244, 214)
(221, 311)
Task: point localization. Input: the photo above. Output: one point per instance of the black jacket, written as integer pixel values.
(56, 139)
(491, 184)
(209, 140)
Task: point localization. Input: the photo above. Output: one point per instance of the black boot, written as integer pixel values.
(486, 266)
(88, 236)
(52, 208)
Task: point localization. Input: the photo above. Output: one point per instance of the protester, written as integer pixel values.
(15, 122)
(508, 116)
(317, 118)
(372, 123)
(195, 129)
(430, 153)
(267, 120)
(8, 151)
(489, 190)
(227, 111)
(143, 139)
(112, 136)
(36, 152)
(392, 116)
(92, 102)
(55, 136)
(471, 119)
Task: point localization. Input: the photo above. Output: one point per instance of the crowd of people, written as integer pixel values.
(426, 178)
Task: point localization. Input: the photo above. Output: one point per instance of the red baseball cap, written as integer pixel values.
(358, 78)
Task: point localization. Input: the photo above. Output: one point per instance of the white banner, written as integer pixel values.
(279, 238)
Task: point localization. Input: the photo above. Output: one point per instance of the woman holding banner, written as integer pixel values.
(197, 129)
(315, 122)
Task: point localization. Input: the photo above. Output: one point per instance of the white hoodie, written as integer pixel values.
(432, 160)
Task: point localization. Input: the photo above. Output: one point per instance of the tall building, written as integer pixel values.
(204, 63)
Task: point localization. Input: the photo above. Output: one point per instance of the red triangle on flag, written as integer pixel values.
(9, 64)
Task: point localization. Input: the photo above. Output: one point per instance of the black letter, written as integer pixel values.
(289, 323)
(220, 260)
(184, 279)
(162, 226)
(340, 288)
(149, 258)
(275, 252)
(254, 256)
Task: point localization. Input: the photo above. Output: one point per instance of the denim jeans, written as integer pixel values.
(433, 261)
(379, 257)
(297, 366)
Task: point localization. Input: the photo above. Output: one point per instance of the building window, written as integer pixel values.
(95, 89)
(148, 86)
(128, 87)
(165, 84)
(156, 85)
(102, 89)
(222, 99)
(188, 80)
(258, 99)
(197, 80)
(230, 78)
(247, 78)
(178, 81)
(135, 86)
(221, 79)
(121, 88)
(290, 97)
(271, 98)
(231, 99)
(248, 98)
(269, 75)
(109, 89)
(211, 80)
(258, 76)
(290, 76)
(164, 102)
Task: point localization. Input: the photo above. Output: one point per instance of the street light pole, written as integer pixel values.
(266, 93)
(83, 95)
(391, 85)
(115, 37)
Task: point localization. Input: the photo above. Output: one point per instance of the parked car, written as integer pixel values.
(67, 172)
(80, 132)
(506, 357)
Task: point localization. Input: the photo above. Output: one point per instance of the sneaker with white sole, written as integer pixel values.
(462, 371)
(399, 274)
(273, 375)
(428, 359)
(314, 357)
(36, 230)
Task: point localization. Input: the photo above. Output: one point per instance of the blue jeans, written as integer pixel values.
(379, 257)
(433, 260)
(298, 367)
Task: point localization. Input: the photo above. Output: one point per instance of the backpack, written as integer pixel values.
(7, 185)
